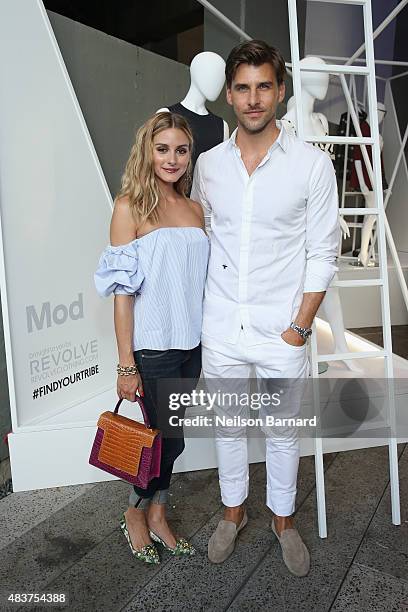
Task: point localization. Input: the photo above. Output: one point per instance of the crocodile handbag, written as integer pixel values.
(126, 448)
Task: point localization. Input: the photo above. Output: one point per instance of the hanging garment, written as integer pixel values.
(326, 147)
(339, 149)
(208, 130)
(358, 156)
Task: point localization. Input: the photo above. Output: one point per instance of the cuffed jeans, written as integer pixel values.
(183, 367)
(273, 360)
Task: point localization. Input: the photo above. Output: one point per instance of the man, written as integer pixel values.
(274, 236)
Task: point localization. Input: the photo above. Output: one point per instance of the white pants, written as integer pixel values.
(274, 360)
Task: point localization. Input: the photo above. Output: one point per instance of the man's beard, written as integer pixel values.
(258, 128)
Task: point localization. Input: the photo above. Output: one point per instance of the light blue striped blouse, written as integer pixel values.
(166, 270)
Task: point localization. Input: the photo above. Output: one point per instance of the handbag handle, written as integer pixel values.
(142, 407)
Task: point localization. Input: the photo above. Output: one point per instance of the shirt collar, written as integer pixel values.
(282, 139)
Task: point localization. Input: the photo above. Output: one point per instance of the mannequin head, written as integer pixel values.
(207, 72)
(315, 83)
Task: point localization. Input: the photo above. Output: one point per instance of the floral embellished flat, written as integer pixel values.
(148, 553)
(182, 546)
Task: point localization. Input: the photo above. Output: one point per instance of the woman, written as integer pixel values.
(156, 266)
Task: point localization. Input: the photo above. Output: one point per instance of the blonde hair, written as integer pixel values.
(139, 181)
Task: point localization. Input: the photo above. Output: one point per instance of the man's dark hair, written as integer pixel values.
(255, 53)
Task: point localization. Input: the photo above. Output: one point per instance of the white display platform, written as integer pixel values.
(55, 452)
(361, 305)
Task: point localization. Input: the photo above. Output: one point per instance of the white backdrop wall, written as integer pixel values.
(55, 211)
(55, 207)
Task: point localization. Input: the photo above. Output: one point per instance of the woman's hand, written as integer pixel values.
(128, 385)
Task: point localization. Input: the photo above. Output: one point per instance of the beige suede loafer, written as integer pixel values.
(294, 551)
(222, 542)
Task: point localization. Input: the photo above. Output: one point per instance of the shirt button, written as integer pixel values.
(242, 327)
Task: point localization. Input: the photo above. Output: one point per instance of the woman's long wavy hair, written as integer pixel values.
(139, 182)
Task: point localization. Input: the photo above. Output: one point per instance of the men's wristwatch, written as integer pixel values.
(305, 332)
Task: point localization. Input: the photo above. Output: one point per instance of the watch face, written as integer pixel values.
(305, 333)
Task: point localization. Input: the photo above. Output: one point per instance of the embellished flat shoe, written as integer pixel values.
(148, 553)
(182, 546)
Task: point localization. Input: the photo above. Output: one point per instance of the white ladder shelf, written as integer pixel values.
(382, 283)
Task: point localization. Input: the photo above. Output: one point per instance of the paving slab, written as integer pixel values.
(385, 546)
(194, 499)
(195, 583)
(107, 576)
(204, 586)
(39, 555)
(367, 590)
(96, 558)
(20, 512)
(80, 550)
(352, 498)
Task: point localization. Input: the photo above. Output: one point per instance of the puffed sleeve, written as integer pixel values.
(119, 271)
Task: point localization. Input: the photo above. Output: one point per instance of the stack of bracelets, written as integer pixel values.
(126, 370)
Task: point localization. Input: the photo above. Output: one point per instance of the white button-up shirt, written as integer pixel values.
(274, 235)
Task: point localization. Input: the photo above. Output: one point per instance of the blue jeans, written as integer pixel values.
(184, 367)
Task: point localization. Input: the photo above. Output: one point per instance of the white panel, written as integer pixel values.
(397, 209)
(55, 210)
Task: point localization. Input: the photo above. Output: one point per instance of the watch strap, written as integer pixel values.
(304, 332)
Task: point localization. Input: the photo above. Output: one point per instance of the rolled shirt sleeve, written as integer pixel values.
(119, 271)
(322, 226)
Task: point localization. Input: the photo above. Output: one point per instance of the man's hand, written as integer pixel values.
(292, 337)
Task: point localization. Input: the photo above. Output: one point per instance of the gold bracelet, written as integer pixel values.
(126, 370)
